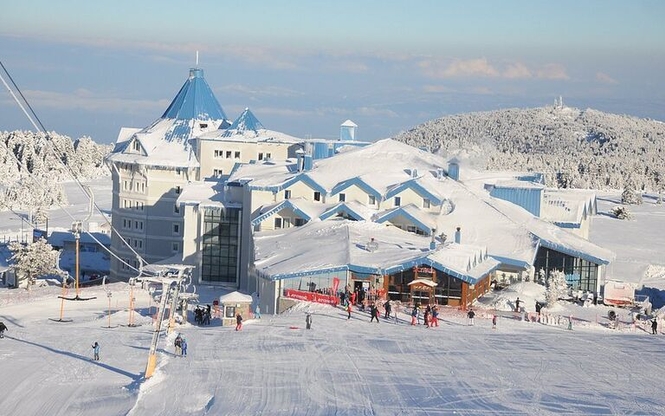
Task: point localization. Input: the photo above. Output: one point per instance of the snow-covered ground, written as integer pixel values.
(344, 367)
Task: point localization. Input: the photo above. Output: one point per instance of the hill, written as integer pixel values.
(573, 148)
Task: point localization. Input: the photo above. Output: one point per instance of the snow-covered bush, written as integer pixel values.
(621, 213)
(557, 287)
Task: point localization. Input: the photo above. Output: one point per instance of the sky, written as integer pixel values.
(304, 67)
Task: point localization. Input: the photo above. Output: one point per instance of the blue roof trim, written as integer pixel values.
(357, 182)
(567, 224)
(304, 179)
(512, 262)
(282, 205)
(573, 253)
(341, 207)
(195, 101)
(417, 188)
(283, 276)
(401, 211)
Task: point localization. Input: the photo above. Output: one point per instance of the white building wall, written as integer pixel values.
(222, 155)
(353, 193)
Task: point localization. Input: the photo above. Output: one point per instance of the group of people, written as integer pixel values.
(180, 344)
(3, 328)
(430, 316)
(202, 316)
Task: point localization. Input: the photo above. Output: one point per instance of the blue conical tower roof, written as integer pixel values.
(195, 101)
(247, 121)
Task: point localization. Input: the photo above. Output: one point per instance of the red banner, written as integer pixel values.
(310, 296)
(335, 285)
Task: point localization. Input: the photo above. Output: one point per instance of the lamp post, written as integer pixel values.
(108, 294)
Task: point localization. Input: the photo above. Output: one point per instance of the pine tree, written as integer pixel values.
(34, 260)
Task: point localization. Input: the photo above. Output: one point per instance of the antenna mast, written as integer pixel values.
(197, 58)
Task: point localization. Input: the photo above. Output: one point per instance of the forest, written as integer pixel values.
(573, 148)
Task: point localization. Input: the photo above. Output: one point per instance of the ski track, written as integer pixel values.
(340, 367)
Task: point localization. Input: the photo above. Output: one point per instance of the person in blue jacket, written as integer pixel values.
(95, 351)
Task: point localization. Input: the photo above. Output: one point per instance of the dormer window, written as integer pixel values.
(426, 203)
(136, 146)
(371, 199)
(342, 197)
(203, 125)
(398, 201)
(287, 194)
(317, 196)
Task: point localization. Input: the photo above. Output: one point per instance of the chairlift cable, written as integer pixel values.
(68, 168)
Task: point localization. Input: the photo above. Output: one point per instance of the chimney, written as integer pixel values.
(300, 155)
(458, 235)
(432, 244)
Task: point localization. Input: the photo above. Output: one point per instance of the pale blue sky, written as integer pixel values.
(303, 67)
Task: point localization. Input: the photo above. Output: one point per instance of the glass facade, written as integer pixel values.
(580, 274)
(220, 246)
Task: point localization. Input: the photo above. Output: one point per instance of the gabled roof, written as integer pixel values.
(352, 209)
(207, 194)
(268, 211)
(418, 188)
(420, 219)
(360, 183)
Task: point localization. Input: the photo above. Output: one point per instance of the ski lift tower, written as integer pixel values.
(171, 277)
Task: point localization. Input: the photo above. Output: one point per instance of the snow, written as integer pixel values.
(340, 366)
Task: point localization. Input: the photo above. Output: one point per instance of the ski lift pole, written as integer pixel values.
(152, 356)
(174, 303)
(62, 298)
(132, 282)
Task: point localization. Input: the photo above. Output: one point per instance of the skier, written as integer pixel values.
(435, 317)
(178, 345)
(374, 311)
(517, 304)
(654, 327)
(183, 347)
(257, 312)
(308, 321)
(493, 321)
(238, 322)
(348, 309)
(95, 351)
(3, 328)
(426, 316)
(387, 308)
(471, 314)
(414, 315)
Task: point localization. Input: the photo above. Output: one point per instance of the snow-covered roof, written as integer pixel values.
(207, 194)
(248, 129)
(168, 140)
(567, 206)
(235, 297)
(59, 238)
(326, 246)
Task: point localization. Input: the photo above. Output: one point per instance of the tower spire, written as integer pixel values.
(197, 58)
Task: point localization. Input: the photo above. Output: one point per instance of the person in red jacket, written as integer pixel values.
(238, 322)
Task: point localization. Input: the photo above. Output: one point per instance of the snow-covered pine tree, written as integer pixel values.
(631, 197)
(34, 260)
(557, 287)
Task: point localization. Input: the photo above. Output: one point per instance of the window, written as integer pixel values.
(124, 223)
(219, 154)
(260, 156)
(286, 222)
(287, 194)
(398, 201)
(175, 247)
(137, 224)
(203, 125)
(217, 173)
(268, 155)
(142, 187)
(176, 209)
(278, 223)
(124, 185)
(178, 189)
(228, 154)
(176, 229)
(371, 199)
(298, 222)
(426, 203)
(317, 196)
(178, 171)
(237, 155)
(342, 197)
(137, 146)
